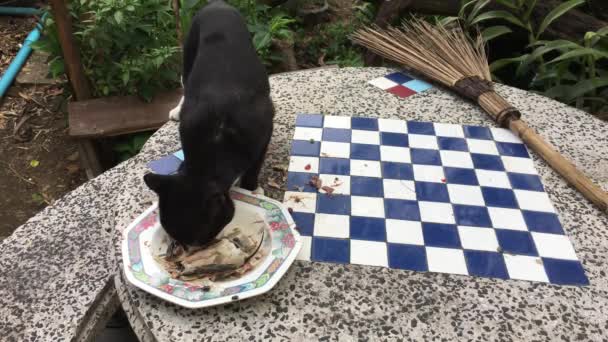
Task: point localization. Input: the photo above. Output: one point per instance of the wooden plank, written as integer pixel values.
(71, 56)
(117, 115)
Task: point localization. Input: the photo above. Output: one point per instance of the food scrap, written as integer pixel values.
(307, 167)
(328, 189)
(315, 182)
(232, 253)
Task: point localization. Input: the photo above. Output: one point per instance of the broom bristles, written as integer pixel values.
(446, 56)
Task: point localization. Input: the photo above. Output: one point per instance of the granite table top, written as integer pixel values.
(320, 301)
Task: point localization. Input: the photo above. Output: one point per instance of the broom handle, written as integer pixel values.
(560, 164)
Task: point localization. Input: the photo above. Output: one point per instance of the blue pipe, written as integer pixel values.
(21, 57)
(19, 11)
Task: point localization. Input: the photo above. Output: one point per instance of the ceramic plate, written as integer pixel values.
(144, 239)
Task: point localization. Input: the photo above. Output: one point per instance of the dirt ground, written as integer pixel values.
(38, 161)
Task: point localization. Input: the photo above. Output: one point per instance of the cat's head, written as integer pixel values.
(191, 213)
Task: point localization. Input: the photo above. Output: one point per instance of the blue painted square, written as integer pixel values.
(367, 228)
(336, 134)
(542, 222)
(418, 85)
(512, 149)
(476, 132)
(401, 209)
(179, 154)
(456, 175)
(300, 181)
(516, 242)
(334, 166)
(424, 156)
(495, 197)
(392, 170)
(305, 222)
(335, 204)
(440, 235)
(309, 120)
(526, 182)
(434, 192)
(398, 77)
(166, 165)
(330, 250)
(364, 151)
(366, 186)
(417, 127)
(305, 148)
(565, 272)
(487, 162)
(470, 215)
(452, 144)
(407, 257)
(486, 264)
(367, 124)
(394, 139)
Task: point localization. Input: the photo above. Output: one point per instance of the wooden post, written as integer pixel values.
(77, 78)
(178, 23)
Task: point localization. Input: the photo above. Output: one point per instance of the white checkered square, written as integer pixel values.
(465, 194)
(428, 173)
(365, 137)
(448, 130)
(399, 189)
(307, 133)
(482, 146)
(303, 164)
(395, 154)
(392, 125)
(383, 83)
(456, 159)
(331, 149)
(365, 252)
(506, 218)
(367, 206)
(436, 212)
(335, 226)
(406, 232)
(331, 121)
(446, 260)
(367, 168)
(476, 238)
(494, 179)
(423, 141)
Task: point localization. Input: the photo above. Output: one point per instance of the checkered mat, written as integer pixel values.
(400, 84)
(421, 196)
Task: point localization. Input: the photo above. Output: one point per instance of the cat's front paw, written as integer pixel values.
(174, 113)
(259, 191)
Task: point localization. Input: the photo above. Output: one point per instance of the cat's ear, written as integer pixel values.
(157, 183)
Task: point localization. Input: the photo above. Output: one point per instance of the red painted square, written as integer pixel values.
(401, 91)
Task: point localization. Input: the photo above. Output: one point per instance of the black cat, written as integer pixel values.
(225, 126)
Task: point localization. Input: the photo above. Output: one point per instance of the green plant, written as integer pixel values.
(564, 70)
(331, 43)
(128, 146)
(126, 46)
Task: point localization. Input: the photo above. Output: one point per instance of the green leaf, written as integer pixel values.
(580, 52)
(499, 15)
(556, 13)
(478, 6)
(501, 63)
(34, 163)
(494, 31)
(36, 197)
(585, 86)
(507, 3)
(464, 7)
(56, 67)
(118, 16)
(130, 8)
(125, 78)
(447, 20)
(541, 50)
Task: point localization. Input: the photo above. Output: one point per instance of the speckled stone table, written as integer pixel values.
(320, 301)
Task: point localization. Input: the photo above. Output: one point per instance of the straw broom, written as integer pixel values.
(449, 57)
